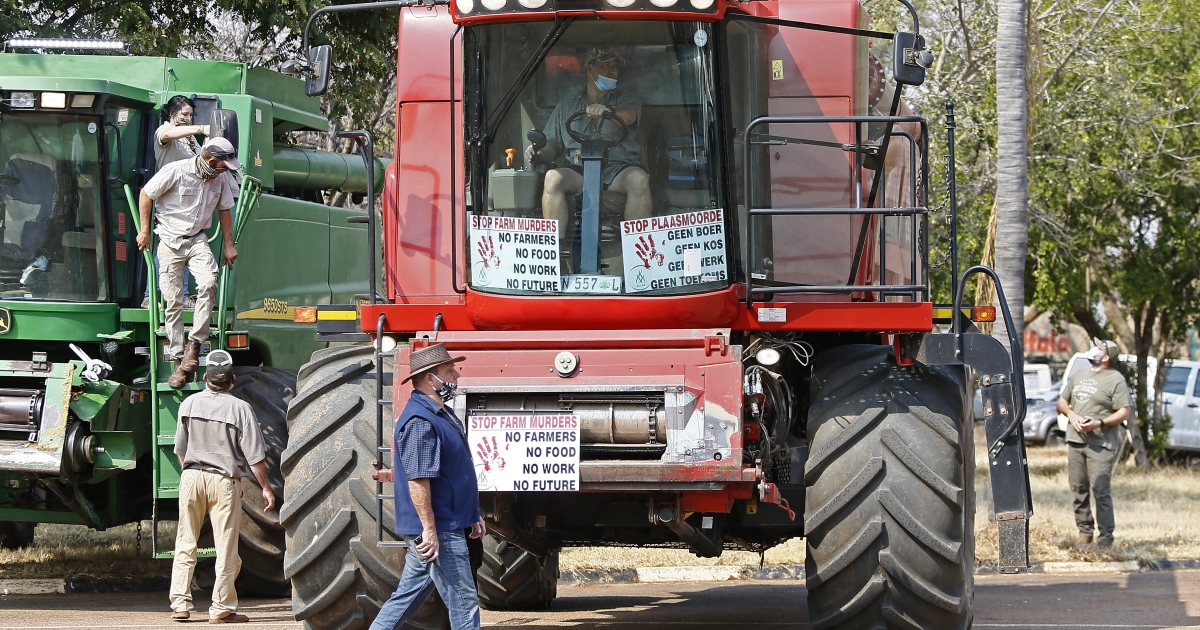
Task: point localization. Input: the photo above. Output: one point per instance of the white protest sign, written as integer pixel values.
(515, 253)
(674, 251)
(525, 453)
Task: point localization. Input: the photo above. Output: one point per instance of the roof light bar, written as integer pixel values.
(66, 44)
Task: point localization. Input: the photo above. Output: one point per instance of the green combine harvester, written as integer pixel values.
(87, 420)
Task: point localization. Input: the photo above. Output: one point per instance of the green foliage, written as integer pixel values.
(1113, 151)
(364, 43)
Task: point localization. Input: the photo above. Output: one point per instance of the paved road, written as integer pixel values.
(1030, 602)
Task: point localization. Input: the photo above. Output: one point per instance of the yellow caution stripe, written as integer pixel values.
(324, 315)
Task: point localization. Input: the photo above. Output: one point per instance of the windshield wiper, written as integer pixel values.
(510, 95)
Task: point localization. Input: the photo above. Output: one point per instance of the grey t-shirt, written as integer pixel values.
(1096, 394)
(184, 148)
(218, 432)
(627, 153)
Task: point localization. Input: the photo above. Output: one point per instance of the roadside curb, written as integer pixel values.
(722, 573)
(589, 577)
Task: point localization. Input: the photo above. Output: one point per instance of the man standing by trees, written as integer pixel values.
(1096, 402)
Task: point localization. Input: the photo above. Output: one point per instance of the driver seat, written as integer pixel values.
(29, 204)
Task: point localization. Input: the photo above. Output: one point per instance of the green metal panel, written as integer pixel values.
(59, 321)
(347, 262)
(286, 244)
(260, 155)
(294, 110)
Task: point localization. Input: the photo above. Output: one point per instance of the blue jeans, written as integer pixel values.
(451, 574)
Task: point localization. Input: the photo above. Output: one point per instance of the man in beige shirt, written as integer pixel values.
(217, 439)
(187, 192)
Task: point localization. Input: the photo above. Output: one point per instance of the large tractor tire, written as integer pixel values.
(261, 542)
(16, 534)
(340, 577)
(889, 508)
(514, 579)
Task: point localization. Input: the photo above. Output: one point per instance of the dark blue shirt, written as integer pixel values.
(431, 443)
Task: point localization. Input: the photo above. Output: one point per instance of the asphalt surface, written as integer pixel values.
(1137, 600)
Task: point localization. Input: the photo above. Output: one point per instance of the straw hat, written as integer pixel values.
(426, 359)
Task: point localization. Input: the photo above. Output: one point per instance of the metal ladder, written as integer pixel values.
(163, 428)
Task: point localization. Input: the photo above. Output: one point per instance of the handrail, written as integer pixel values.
(1014, 347)
(155, 358)
(248, 196)
(748, 242)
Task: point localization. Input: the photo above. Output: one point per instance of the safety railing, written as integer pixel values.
(914, 211)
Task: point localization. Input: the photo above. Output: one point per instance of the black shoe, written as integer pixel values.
(1104, 541)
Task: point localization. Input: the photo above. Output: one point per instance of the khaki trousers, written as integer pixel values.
(205, 493)
(194, 254)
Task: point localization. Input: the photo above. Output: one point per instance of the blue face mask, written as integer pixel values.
(605, 84)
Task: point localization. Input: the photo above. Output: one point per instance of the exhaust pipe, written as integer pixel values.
(700, 544)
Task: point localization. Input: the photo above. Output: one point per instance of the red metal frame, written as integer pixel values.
(624, 339)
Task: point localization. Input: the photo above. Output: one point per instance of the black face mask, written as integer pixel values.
(447, 391)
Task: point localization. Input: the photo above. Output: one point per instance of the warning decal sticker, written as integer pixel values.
(674, 251)
(515, 253)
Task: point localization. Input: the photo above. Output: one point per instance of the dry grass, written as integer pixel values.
(1158, 516)
(791, 552)
(64, 551)
(1157, 512)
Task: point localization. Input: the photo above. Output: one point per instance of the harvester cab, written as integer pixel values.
(684, 247)
(87, 417)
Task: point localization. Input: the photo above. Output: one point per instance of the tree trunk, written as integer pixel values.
(1012, 177)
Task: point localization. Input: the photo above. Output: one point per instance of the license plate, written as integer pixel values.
(591, 284)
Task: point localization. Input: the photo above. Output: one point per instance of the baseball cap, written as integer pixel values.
(223, 150)
(603, 53)
(1107, 347)
(219, 368)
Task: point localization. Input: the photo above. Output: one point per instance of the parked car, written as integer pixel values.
(1041, 423)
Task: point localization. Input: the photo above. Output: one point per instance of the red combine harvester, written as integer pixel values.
(684, 247)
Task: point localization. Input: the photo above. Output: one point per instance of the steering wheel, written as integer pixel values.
(581, 138)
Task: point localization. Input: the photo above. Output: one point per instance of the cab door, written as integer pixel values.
(1179, 405)
(1186, 429)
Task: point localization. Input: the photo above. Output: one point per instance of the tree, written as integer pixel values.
(1012, 180)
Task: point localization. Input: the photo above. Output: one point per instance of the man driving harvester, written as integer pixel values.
(622, 168)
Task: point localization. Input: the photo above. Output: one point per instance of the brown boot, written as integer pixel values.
(229, 618)
(191, 356)
(178, 378)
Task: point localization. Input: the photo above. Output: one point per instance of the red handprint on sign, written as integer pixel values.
(489, 454)
(487, 253)
(648, 251)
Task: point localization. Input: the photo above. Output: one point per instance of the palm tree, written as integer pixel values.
(1012, 178)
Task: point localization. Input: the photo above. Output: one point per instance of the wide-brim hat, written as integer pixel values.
(426, 359)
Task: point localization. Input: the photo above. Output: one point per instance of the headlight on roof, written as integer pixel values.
(23, 100)
(54, 100)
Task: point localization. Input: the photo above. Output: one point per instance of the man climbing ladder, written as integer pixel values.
(187, 192)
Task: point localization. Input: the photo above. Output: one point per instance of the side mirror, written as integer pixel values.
(317, 81)
(910, 59)
(224, 124)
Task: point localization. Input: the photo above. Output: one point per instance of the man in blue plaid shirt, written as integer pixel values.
(437, 499)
